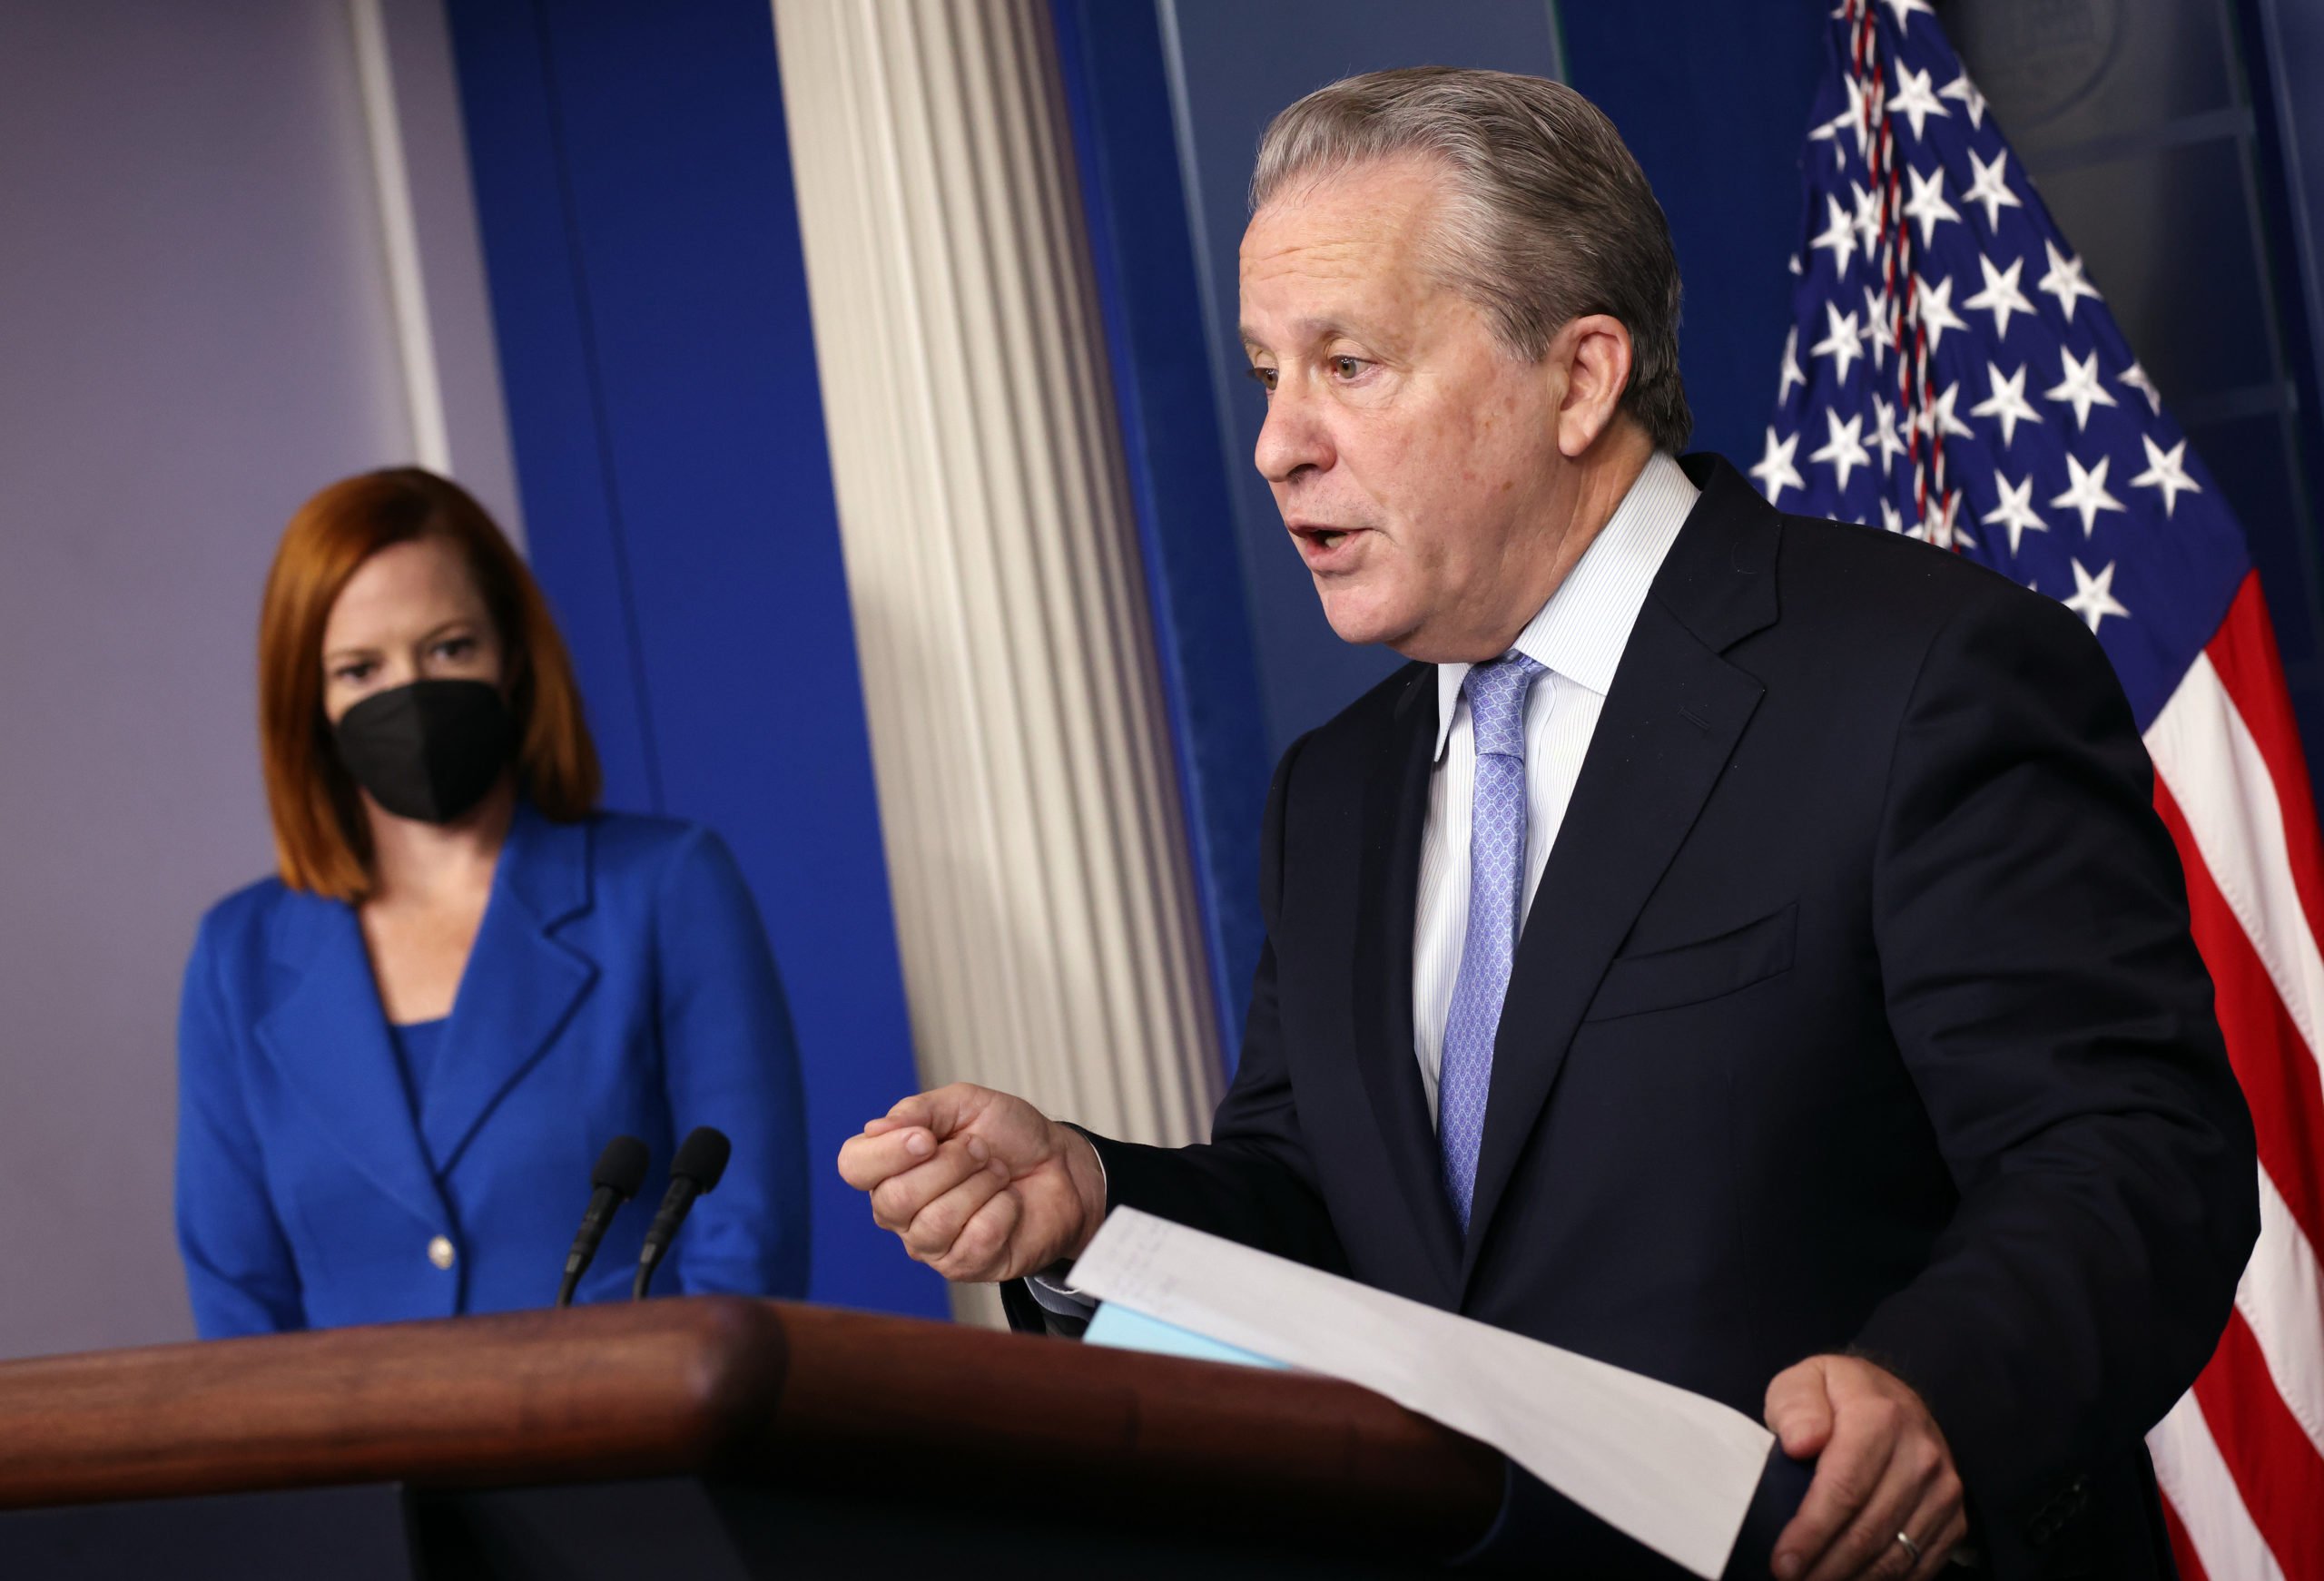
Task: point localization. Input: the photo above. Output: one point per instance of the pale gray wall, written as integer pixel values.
(195, 333)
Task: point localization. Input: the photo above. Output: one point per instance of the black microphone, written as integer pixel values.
(621, 1170)
(693, 1173)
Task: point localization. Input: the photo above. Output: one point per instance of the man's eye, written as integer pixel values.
(1265, 377)
(1347, 367)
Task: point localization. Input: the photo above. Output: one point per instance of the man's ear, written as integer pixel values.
(1594, 351)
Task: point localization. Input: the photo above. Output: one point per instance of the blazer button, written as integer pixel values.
(439, 1252)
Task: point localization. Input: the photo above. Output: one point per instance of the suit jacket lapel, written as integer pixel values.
(1671, 721)
(521, 984)
(326, 1036)
(1395, 814)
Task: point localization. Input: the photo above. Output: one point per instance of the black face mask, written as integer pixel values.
(428, 751)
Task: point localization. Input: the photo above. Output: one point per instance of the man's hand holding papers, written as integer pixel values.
(1674, 1470)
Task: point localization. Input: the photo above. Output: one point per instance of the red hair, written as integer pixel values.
(322, 842)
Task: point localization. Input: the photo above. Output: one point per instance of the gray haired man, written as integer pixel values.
(1737, 947)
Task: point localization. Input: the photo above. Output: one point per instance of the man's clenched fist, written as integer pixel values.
(979, 1185)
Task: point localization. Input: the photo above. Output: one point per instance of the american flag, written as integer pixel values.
(1954, 374)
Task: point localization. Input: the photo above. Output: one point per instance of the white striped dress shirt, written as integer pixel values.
(1577, 637)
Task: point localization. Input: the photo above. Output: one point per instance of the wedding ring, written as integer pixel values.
(1910, 1546)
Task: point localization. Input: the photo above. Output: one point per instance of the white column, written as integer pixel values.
(437, 292)
(1043, 892)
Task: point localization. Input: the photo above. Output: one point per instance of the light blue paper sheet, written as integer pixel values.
(1124, 1329)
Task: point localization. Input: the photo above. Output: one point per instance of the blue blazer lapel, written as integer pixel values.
(326, 1036)
(521, 985)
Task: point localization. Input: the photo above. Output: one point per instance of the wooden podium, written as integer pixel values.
(711, 1439)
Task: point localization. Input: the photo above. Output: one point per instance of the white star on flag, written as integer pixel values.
(1991, 188)
(2001, 296)
(1972, 102)
(2007, 405)
(1945, 530)
(2064, 280)
(1830, 132)
(1905, 9)
(1914, 97)
(2165, 470)
(1840, 343)
(1927, 202)
(2135, 376)
(1844, 450)
(1934, 307)
(1883, 432)
(1863, 107)
(1939, 415)
(1867, 217)
(2089, 493)
(2094, 596)
(1840, 235)
(2015, 511)
(2078, 387)
(1775, 470)
(1855, 116)
(1891, 518)
(1791, 374)
(1876, 331)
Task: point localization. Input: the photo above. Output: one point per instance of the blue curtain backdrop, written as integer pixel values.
(633, 182)
(1118, 98)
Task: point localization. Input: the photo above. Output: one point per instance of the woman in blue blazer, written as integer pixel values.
(399, 1058)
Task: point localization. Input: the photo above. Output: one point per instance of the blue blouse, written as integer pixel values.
(416, 1045)
(620, 982)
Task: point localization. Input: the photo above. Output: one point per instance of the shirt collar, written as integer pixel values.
(1580, 632)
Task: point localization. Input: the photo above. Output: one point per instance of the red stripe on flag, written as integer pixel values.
(2278, 1076)
(2273, 1463)
(2243, 651)
(2183, 1547)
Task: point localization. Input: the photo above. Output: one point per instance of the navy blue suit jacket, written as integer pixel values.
(1855, 1010)
(621, 982)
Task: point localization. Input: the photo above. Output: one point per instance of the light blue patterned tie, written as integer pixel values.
(1496, 695)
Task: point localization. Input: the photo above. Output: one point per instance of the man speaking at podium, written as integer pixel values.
(1737, 947)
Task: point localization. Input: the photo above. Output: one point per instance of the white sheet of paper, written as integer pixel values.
(1671, 1469)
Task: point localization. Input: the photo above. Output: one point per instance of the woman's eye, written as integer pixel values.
(351, 673)
(455, 648)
